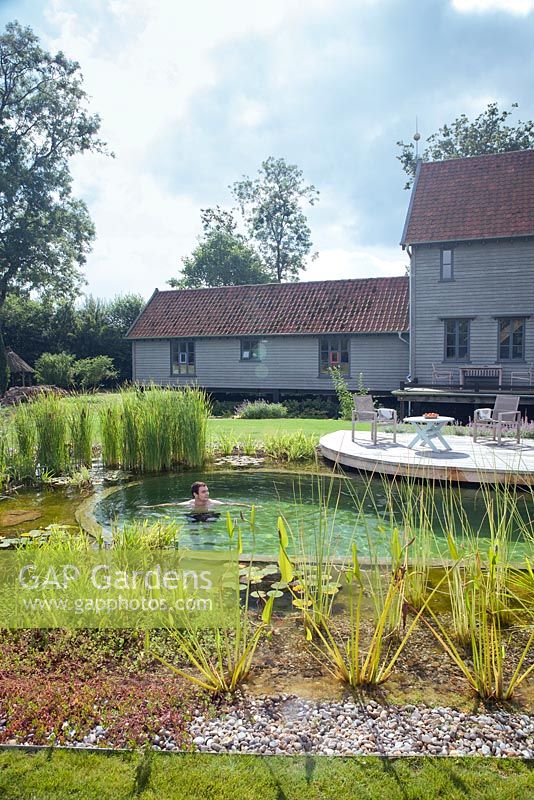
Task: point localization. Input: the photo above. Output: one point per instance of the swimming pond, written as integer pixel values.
(338, 510)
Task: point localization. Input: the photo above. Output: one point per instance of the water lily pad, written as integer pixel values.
(275, 593)
(257, 594)
(270, 569)
(7, 544)
(279, 585)
(10, 518)
(301, 603)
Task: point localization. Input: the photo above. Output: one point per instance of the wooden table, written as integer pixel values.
(429, 429)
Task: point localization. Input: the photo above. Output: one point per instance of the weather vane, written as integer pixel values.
(416, 138)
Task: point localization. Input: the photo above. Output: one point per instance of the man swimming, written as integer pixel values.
(200, 499)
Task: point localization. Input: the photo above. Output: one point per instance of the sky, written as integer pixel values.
(194, 95)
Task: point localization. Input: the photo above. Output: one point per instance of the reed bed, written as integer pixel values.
(81, 435)
(146, 431)
(51, 425)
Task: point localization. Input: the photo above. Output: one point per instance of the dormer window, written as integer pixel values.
(447, 265)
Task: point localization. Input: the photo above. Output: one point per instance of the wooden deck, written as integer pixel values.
(466, 462)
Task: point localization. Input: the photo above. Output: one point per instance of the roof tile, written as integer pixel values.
(482, 197)
(371, 305)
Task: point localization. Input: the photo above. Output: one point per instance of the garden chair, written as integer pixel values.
(441, 375)
(504, 414)
(365, 411)
(523, 376)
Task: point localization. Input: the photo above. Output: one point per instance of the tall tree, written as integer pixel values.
(272, 208)
(488, 133)
(222, 256)
(45, 232)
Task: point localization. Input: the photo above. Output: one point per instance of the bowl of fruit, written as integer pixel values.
(431, 415)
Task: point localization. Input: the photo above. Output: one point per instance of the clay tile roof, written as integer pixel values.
(482, 197)
(374, 305)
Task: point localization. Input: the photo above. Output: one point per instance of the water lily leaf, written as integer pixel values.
(275, 593)
(301, 603)
(258, 593)
(270, 569)
(279, 585)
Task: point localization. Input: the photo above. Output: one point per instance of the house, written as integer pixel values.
(470, 235)
(273, 338)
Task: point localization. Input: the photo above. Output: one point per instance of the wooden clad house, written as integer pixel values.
(470, 235)
(274, 338)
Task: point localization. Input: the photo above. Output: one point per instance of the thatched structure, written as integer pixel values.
(17, 366)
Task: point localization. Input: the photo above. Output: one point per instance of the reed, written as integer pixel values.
(224, 661)
(156, 425)
(25, 443)
(131, 419)
(290, 447)
(111, 435)
(51, 433)
(81, 434)
(193, 408)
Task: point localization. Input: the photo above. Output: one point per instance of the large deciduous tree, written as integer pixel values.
(272, 208)
(45, 232)
(222, 256)
(487, 133)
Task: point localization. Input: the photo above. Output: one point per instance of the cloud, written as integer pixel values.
(365, 262)
(518, 7)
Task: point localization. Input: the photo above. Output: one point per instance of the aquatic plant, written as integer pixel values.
(51, 433)
(146, 534)
(81, 434)
(296, 446)
(485, 666)
(223, 662)
(25, 443)
(111, 435)
(351, 659)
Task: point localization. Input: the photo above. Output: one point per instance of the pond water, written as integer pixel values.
(356, 511)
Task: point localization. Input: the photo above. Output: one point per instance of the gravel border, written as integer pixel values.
(289, 725)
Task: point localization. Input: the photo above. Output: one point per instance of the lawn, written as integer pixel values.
(54, 775)
(257, 429)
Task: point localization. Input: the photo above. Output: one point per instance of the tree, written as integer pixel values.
(220, 259)
(4, 367)
(488, 133)
(272, 208)
(45, 232)
(55, 369)
(93, 372)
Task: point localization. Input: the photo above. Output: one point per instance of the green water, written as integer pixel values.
(365, 521)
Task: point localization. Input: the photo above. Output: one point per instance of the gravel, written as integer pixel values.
(289, 725)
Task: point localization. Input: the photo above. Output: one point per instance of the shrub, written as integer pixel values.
(93, 372)
(260, 409)
(344, 395)
(55, 369)
(313, 408)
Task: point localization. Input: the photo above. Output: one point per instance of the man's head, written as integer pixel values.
(200, 491)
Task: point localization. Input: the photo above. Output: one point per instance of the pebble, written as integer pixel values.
(287, 725)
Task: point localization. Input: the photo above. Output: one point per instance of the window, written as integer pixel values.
(250, 350)
(334, 352)
(456, 339)
(183, 357)
(511, 339)
(447, 265)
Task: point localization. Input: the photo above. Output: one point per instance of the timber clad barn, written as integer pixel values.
(275, 337)
(470, 235)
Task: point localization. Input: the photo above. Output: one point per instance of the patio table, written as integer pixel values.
(429, 429)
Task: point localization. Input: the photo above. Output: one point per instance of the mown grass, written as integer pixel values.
(82, 776)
